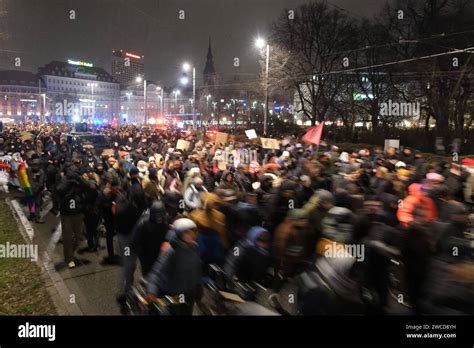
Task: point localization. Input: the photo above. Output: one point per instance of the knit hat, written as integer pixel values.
(400, 164)
(435, 177)
(134, 171)
(182, 225)
(193, 171)
(337, 225)
(344, 157)
(254, 233)
(324, 196)
(142, 166)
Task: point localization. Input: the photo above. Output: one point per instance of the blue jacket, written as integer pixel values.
(177, 271)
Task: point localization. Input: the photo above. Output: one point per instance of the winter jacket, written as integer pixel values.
(147, 239)
(177, 271)
(71, 196)
(288, 246)
(192, 197)
(37, 180)
(415, 199)
(211, 221)
(251, 262)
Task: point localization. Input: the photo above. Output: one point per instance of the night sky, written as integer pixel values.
(41, 31)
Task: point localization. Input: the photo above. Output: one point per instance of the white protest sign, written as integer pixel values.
(269, 143)
(183, 145)
(391, 143)
(251, 133)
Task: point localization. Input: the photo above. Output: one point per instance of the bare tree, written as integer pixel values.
(444, 81)
(316, 40)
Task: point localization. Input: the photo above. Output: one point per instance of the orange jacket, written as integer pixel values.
(416, 198)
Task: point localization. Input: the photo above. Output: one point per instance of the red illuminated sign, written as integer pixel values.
(132, 55)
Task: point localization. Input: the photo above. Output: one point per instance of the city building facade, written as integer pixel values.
(21, 96)
(76, 91)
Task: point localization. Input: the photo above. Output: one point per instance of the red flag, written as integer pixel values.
(313, 136)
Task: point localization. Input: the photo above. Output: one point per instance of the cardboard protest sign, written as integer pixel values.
(221, 138)
(251, 133)
(391, 143)
(269, 143)
(108, 152)
(25, 136)
(183, 145)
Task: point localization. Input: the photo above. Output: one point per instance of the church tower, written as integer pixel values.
(209, 71)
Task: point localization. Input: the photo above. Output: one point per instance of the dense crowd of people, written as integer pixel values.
(250, 210)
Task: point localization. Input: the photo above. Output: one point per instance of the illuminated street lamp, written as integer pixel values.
(176, 92)
(139, 79)
(261, 43)
(161, 99)
(185, 80)
(92, 85)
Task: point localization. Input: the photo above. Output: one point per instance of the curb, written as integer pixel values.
(56, 288)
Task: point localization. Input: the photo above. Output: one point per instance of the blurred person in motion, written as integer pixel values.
(416, 198)
(178, 270)
(252, 259)
(149, 234)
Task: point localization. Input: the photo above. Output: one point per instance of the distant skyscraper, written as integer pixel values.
(126, 66)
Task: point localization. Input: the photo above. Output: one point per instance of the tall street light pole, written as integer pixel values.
(129, 94)
(139, 79)
(260, 43)
(92, 85)
(44, 107)
(176, 93)
(187, 67)
(159, 88)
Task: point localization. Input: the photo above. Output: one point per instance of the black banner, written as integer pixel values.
(429, 331)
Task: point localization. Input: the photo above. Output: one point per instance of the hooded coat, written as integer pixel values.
(147, 239)
(177, 271)
(252, 261)
(416, 198)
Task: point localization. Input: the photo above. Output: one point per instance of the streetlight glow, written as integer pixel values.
(184, 80)
(139, 79)
(260, 43)
(186, 67)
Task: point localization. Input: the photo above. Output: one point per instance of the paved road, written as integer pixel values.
(94, 286)
(91, 285)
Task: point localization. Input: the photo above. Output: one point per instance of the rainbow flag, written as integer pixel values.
(23, 179)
